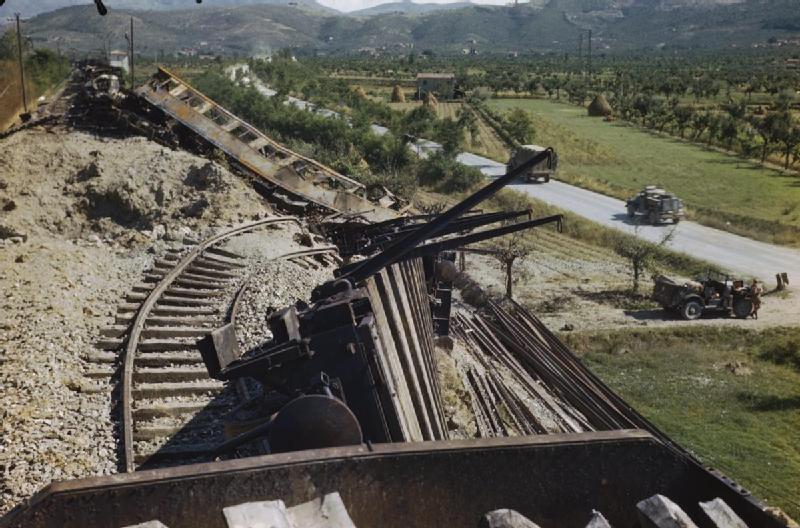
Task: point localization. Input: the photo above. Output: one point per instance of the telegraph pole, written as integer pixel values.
(131, 58)
(590, 52)
(21, 67)
(580, 50)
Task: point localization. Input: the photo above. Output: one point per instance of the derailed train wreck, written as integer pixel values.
(352, 403)
(357, 364)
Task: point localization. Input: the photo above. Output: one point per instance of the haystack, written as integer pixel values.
(599, 107)
(429, 100)
(397, 95)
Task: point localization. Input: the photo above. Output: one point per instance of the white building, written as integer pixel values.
(119, 59)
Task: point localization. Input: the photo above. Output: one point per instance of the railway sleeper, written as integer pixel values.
(101, 357)
(183, 437)
(167, 359)
(191, 424)
(306, 262)
(202, 271)
(203, 261)
(185, 282)
(160, 310)
(205, 291)
(175, 452)
(171, 300)
(170, 374)
(155, 432)
(98, 372)
(210, 260)
(161, 332)
(196, 269)
(180, 320)
(154, 409)
(165, 390)
(147, 345)
(224, 253)
(156, 332)
(216, 282)
(163, 359)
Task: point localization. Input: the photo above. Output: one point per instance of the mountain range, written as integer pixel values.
(541, 26)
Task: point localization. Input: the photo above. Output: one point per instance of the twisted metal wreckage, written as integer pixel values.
(351, 398)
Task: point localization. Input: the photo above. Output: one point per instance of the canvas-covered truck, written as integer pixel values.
(541, 172)
(711, 293)
(656, 206)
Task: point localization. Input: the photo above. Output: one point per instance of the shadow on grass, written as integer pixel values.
(783, 351)
(624, 299)
(765, 403)
(662, 314)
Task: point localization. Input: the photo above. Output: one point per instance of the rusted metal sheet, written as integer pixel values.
(300, 176)
(555, 479)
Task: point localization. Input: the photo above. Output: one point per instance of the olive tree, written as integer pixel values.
(640, 254)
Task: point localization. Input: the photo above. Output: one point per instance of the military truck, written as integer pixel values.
(542, 171)
(656, 206)
(713, 292)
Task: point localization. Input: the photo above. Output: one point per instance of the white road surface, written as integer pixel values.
(742, 256)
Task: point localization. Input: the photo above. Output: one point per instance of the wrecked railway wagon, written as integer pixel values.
(351, 402)
(351, 409)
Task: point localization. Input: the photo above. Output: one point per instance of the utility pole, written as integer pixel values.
(590, 52)
(21, 67)
(133, 77)
(580, 50)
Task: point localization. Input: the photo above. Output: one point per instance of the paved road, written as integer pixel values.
(742, 256)
(738, 254)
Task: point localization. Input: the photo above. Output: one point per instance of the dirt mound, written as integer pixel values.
(75, 184)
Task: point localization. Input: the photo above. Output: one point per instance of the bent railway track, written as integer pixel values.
(171, 411)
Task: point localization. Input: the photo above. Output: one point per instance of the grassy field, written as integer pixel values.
(732, 397)
(486, 143)
(720, 190)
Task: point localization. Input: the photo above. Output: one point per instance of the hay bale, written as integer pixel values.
(599, 107)
(429, 101)
(397, 95)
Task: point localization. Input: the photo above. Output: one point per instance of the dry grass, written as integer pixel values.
(486, 143)
(716, 391)
(10, 96)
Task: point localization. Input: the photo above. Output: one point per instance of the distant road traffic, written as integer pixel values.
(742, 256)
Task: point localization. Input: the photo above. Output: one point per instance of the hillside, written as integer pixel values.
(28, 8)
(407, 7)
(618, 25)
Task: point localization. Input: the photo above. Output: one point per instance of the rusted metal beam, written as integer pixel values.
(407, 244)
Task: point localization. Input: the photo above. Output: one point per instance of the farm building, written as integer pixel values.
(119, 59)
(442, 85)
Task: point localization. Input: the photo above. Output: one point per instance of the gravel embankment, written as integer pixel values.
(56, 424)
(274, 285)
(81, 217)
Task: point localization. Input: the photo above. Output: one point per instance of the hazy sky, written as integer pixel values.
(352, 5)
(32, 7)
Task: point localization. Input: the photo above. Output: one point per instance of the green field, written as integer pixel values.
(486, 143)
(732, 397)
(617, 159)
